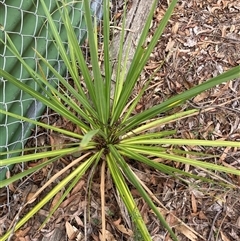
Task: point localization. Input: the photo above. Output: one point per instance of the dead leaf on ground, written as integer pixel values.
(122, 229)
(200, 97)
(109, 236)
(194, 203)
(72, 231)
(224, 237)
(186, 232)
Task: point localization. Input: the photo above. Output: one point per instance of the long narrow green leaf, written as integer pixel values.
(185, 160)
(143, 37)
(69, 100)
(35, 156)
(176, 150)
(24, 87)
(49, 127)
(128, 172)
(55, 105)
(136, 59)
(81, 169)
(174, 172)
(20, 175)
(99, 87)
(76, 51)
(73, 41)
(160, 121)
(64, 54)
(139, 96)
(67, 191)
(27, 150)
(180, 142)
(154, 135)
(57, 39)
(120, 70)
(139, 62)
(107, 61)
(127, 197)
(179, 99)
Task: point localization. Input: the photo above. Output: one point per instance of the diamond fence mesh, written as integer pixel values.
(25, 23)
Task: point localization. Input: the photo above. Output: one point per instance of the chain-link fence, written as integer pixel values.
(25, 23)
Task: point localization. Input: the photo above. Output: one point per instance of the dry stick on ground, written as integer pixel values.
(213, 223)
(88, 201)
(52, 179)
(102, 191)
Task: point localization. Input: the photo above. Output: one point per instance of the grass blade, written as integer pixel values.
(196, 163)
(174, 172)
(25, 173)
(99, 87)
(35, 156)
(128, 172)
(127, 197)
(181, 142)
(107, 62)
(76, 52)
(179, 99)
(49, 127)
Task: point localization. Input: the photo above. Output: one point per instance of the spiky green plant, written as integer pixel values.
(109, 132)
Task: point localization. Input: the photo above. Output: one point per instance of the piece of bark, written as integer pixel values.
(57, 235)
(135, 21)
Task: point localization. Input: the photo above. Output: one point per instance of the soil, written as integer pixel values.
(201, 41)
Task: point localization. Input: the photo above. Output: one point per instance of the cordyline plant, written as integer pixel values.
(110, 133)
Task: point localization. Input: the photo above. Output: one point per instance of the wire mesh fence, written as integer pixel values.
(25, 23)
